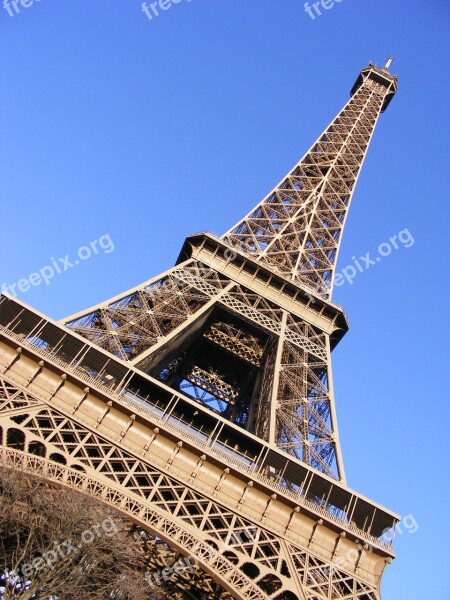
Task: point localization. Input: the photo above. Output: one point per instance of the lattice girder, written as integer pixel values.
(95, 464)
(297, 228)
(218, 384)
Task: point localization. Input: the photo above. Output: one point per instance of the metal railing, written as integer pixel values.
(230, 456)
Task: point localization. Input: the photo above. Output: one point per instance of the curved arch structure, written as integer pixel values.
(157, 477)
(149, 517)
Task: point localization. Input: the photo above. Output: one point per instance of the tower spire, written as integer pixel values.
(389, 62)
(296, 229)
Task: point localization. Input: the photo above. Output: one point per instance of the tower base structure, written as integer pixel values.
(257, 522)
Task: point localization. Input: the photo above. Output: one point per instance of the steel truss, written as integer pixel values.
(201, 404)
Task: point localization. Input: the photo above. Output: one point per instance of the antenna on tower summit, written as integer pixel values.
(389, 62)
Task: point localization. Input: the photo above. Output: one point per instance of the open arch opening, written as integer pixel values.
(15, 438)
(78, 468)
(251, 570)
(270, 584)
(37, 448)
(286, 596)
(58, 458)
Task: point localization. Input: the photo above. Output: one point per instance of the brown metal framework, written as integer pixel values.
(200, 403)
(297, 228)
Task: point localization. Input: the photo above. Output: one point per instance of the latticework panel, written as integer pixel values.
(303, 428)
(304, 410)
(183, 577)
(297, 228)
(13, 399)
(304, 424)
(323, 581)
(130, 325)
(235, 341)
(257, 553)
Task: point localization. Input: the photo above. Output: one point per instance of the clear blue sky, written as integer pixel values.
(151, 130)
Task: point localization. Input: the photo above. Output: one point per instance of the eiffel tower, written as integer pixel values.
(200, 403)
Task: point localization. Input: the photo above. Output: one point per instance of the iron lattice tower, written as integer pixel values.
(200, 403)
